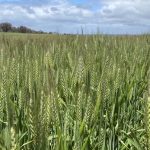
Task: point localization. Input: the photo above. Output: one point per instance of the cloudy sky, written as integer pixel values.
(69, 16)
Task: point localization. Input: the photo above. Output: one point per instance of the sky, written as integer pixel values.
(71, 16)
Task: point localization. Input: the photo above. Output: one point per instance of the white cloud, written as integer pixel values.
(60, 11)
(117, 15)
(127, 12)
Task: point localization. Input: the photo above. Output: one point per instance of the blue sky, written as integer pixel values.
(69, 16)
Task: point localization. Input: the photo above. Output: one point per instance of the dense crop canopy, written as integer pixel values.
(60, 92)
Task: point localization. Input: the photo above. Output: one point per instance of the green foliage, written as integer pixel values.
(74, 92)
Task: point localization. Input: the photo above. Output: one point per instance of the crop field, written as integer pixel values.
(74, 92)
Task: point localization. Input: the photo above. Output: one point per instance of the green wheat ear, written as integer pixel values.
(148, 116)
(148, 121)
(13, 140)
(1, 57)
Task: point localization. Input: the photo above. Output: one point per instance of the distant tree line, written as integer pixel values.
(8, 27)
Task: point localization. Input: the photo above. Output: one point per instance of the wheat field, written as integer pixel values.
(74, 92)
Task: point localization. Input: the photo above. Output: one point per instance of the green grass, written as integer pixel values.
(74, 92)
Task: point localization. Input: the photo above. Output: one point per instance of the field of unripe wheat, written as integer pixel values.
(65, 92)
